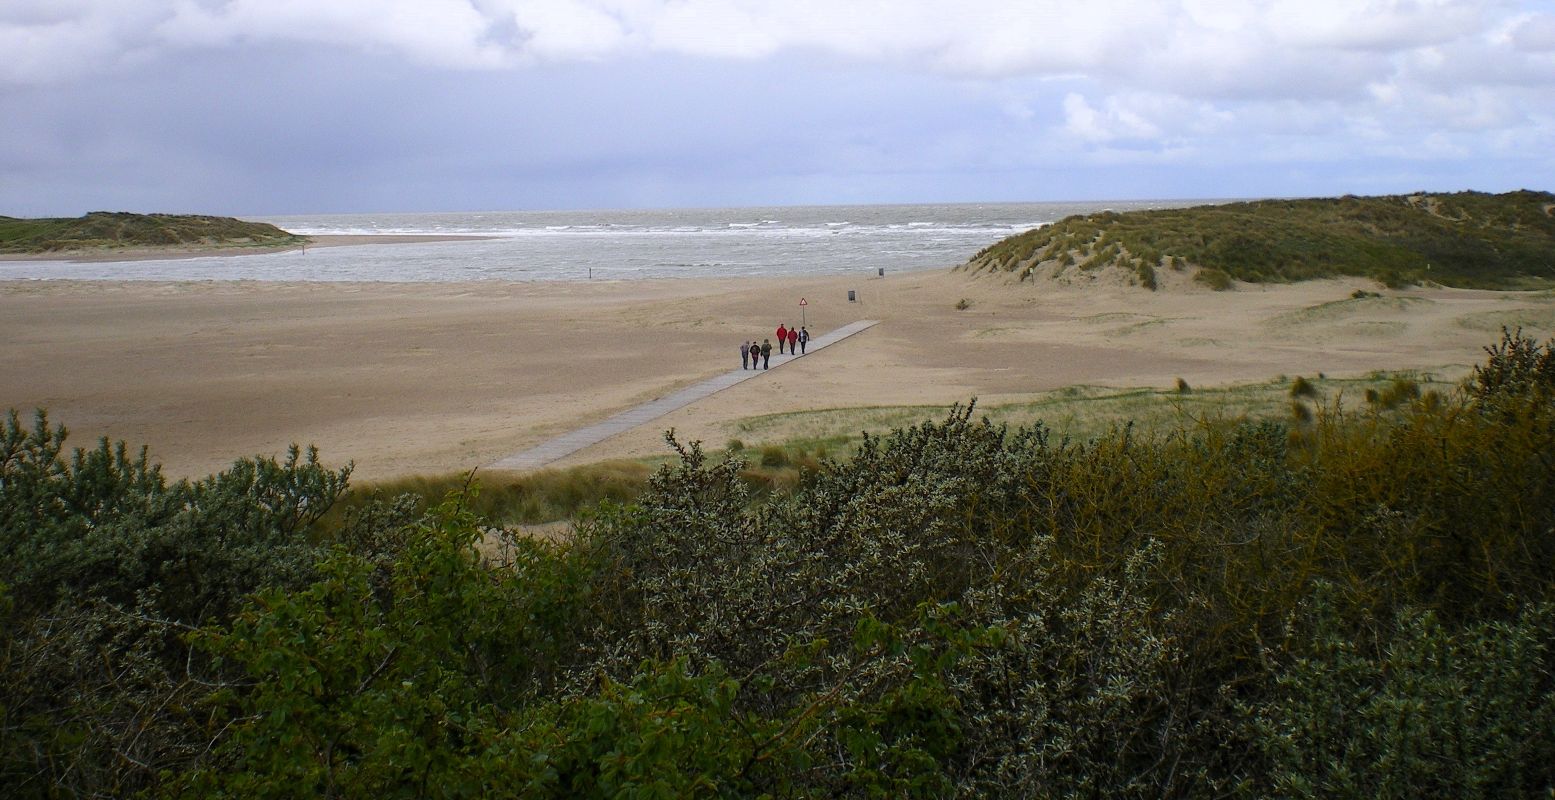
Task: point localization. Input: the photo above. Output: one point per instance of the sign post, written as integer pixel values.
(802, 304)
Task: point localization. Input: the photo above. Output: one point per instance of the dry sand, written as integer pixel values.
(433, 378)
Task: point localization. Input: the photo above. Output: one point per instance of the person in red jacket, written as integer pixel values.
(793, 341)
(782, 337)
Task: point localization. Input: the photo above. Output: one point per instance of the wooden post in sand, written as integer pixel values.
(802, 304)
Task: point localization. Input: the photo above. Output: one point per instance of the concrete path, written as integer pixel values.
(569, 443)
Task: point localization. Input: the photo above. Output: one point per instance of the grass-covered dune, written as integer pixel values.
(101, 230)
(1466, 239)
(1338, 604)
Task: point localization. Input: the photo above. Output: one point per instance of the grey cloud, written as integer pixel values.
(1536, 34)
(276, 106)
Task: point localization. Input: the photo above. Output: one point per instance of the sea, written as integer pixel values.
(613, 245)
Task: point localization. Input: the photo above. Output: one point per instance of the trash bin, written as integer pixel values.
(851, 297)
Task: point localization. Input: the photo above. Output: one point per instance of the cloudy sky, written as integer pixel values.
(314, 106)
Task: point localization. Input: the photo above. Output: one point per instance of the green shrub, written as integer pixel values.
(773, 455)
(1213, 278)
(963, 304)
(1301, 387)
(1398, 392)
(1517, 368)
(1146, 275)
(108, 565)
(1413, 709)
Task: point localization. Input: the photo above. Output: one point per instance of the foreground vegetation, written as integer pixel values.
(1467, 239)
(1353, 603)
(106, 230)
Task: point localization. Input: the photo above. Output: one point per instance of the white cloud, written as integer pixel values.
(1373, 25)
(1115, 121)
(1123, 39)
(447, 33)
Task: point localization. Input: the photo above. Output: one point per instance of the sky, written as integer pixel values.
(268, 107)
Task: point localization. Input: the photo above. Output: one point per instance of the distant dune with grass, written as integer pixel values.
(114, 230)
(1463, 240)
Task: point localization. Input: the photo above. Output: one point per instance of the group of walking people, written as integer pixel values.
(752, 354)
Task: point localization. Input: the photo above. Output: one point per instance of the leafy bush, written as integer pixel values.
(1427, 710)
(1517, 368)
(107, 565)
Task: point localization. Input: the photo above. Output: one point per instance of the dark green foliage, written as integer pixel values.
(109, 527)
(120, 229)
(1301, 387)
(1423, 710)
(1517, 368)
(1468, 239)
(106, 564)
(1183, 387)
(1356, 606)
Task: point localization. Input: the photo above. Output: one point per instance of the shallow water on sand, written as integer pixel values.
(614, 245)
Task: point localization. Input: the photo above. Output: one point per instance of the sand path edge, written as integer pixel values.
(568, 443)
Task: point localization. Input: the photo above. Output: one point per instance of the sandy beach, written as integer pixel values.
(436, 378)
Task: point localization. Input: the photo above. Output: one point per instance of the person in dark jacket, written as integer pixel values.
(766, 353)
(782, 334)
(804, 338)
(745, 352)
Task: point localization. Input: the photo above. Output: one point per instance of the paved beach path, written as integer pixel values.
(569, 443)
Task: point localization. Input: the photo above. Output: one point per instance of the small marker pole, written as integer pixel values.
(802, 322)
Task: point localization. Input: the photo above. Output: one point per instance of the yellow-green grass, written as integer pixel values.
(1083, 412)
(533, 498)
(1466, 239)
(778, 448)
(103, 229)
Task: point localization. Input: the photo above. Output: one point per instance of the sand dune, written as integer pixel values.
(444, 377)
